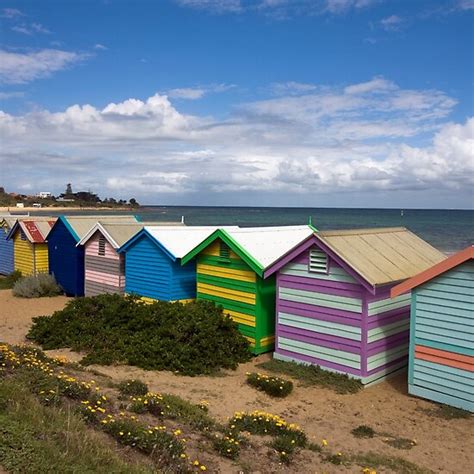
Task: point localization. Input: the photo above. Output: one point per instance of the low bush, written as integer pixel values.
(9, 281)
(132, 387)
(314, 375)
(228, 445)
(192, 339)
(262, 423)
(363, 431)
(273, 386)
(174, 408)
(36, 286)
(285, 446)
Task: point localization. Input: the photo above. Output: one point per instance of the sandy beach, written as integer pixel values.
(441, 445)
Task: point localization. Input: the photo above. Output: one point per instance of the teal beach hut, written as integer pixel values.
(441, 356)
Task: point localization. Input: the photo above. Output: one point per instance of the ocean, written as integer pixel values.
(447, 230)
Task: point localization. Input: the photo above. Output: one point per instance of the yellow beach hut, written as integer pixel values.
(30, 246)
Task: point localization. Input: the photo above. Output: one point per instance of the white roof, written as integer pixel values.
(181, 240)
(268, 244)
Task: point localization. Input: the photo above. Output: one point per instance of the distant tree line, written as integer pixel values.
(68, 198)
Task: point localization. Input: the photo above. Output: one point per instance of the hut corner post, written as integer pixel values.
(277, 311)
(364, 337)
(411, 347)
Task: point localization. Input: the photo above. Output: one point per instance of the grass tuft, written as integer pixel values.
(7, 282)
(363, 431)
(447, 412)
(395, 464)
(273, 386)
(314, 375)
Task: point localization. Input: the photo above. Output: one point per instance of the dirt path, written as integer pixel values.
(441, 445)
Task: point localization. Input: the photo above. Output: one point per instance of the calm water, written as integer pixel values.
(448, 230)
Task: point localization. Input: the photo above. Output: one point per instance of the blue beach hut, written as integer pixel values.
(66, 259)
(153, 267)
(6, 246)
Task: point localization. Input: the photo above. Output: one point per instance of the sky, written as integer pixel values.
(307, 103)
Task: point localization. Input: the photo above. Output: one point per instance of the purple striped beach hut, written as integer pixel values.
(333, 305)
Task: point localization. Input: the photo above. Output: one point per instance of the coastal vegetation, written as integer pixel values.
(314, 375)
(273, 386)
(189, 339)
(7, 281)
(36, 286)
(65, 199)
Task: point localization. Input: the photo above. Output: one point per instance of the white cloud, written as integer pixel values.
(392, 23)
(100, 46)
(194, 93)
(20, 68)
(30, 29)
(355, 138)
(214, 6)
(11, 13)
(465, 4)
(341, 6)
(186, 93)
(11, 95)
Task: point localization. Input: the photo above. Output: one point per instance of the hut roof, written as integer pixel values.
(35, 229)
(434, 271)
(119, 234)
(383, 255)
(259, 247)
(80, 225)
(178, 241)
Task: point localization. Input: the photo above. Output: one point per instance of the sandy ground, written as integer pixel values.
(441, 445)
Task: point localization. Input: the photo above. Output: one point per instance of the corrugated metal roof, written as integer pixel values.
(36, 230)
(82, 224)
(118, 234)
(383, 255)
(267, 244)
(181, 240)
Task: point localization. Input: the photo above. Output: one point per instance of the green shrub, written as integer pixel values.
(285, 446)
(9, 281)
(273, 386)
(262, 423)
(363, 431)
(133, 387)
(196, 338)
(36, 286)
(228, 445)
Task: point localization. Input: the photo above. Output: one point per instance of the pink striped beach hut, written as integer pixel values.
(333, 305)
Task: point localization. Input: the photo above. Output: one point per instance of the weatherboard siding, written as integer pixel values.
(151, 273)
(247, 298)
(442, 338)
(103, 273)
(7, 265)
(66, 261)
(331, 320)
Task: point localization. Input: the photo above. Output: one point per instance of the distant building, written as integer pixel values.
(37, 204)
(44, 195)
(20, 204)
(61, 199)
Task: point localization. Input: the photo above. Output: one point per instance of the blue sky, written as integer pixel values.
(240, 102)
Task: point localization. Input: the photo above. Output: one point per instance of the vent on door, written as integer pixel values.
(318, 261)
(101, 245)
(224, 250)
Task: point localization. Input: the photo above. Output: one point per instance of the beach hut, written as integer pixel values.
(230, 272)
(30, 245)
(441, 356)
(66, 259)
(333, 304)
(104, 266)
(6, 246)
(153, 267)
